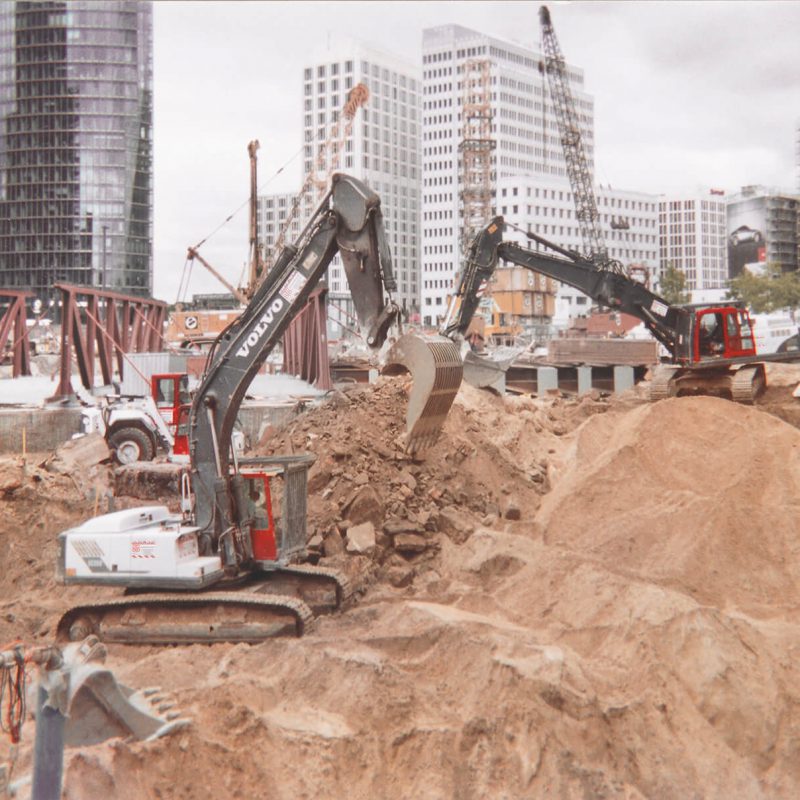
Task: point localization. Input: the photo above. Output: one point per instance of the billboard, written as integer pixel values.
(747, 244)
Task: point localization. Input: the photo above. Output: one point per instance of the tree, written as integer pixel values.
(673, 285)
(769, 292)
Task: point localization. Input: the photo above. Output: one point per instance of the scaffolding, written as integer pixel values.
(476, 148)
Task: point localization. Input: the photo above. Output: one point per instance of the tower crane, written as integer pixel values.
(580, 175)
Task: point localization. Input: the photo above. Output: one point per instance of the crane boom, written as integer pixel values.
(580, 175)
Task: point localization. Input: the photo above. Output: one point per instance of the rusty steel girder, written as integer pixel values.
(97, 323)
(305, 343)
(13, 326)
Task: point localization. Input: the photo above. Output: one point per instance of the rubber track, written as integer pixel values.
(344, 588)
(660, 385)
(746, 385)
(302, 613)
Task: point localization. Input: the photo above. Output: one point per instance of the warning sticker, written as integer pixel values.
(293, 286)
(659, 308)
(143, 548)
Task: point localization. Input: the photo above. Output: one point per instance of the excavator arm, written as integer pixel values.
(605, 286)
(349, 222)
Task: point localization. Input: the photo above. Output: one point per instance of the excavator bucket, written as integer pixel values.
(436, 368)
(489, 372)
(98, 708)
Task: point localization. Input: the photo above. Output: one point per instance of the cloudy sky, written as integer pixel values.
(687, 95)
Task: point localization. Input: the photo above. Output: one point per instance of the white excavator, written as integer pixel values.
(223, 570)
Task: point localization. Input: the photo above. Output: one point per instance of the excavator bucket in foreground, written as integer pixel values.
(97, 707)
(436, 369)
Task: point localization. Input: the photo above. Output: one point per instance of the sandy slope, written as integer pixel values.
(602, 602)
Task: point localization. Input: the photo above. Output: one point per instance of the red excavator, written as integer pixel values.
(224, 570)
(712, 348)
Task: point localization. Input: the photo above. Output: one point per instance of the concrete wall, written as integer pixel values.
(255, 419)
(45, 428)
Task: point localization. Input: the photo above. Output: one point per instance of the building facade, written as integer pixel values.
(693, 238)
(382, 150)
(76, 81)
(762, 229)
(524, 131)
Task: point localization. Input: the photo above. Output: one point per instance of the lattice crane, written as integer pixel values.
(580, 175)
(326, 162)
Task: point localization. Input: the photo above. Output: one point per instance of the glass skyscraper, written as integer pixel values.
(76, 83)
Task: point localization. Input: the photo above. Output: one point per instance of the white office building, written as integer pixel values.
(523, 127)
(628, 221)
(693, 238)
(382, 150)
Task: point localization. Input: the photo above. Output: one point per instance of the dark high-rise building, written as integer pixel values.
(76, 145)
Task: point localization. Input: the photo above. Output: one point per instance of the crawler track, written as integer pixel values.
(279, 603)
(748, 383)
(202, 618)
(660, 387)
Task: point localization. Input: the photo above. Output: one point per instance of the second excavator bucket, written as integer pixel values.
(436, 369)
(489, 371)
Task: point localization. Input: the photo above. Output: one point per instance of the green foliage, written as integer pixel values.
(673, 286)
(769, 292)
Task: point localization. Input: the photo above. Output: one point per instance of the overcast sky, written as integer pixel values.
(687, 95)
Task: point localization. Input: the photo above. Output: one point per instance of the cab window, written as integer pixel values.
(746, 331)
(165, 391)
(257, 501)
(184, 398)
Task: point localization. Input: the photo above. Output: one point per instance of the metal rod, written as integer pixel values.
(48, 753)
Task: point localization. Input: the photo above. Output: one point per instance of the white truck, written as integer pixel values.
(145, 417)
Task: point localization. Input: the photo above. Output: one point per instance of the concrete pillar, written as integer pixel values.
(623, 379)
(584, 380)
(546, 378)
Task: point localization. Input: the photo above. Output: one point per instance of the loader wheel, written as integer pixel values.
(790, 345)
(131, 445)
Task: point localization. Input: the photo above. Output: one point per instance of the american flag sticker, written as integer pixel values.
(293, 286)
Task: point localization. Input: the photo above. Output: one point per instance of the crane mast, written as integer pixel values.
(580, 175)
(256, 259)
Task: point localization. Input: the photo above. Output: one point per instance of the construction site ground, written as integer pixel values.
(594, 597)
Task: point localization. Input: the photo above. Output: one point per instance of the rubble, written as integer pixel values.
(361, 539)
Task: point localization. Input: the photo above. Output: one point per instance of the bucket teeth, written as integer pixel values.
(436, 369)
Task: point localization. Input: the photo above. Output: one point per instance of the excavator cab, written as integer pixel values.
(259, 502)
(722, 332)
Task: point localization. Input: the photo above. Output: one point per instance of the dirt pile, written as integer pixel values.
(697, 494)
(491, 462)
(566, 598)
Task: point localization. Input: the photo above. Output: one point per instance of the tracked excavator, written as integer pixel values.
(220, 570)
(711, 347)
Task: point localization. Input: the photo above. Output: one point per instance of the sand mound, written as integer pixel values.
(696, 493)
